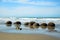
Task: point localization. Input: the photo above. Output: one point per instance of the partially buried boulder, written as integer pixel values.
(43, 25)
(51, 26)
(17, 24)
(26, 23)
(36, 25)
(31, 24)
(8, 23)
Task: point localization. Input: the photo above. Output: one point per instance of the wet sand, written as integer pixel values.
(11, 36)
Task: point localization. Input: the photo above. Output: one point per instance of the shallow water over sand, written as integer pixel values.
(27, 30)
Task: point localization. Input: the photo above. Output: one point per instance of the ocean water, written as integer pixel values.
(27, 30)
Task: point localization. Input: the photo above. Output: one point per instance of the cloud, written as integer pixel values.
(14, 1)
(34, 2)
(30, 11)
(44, 3)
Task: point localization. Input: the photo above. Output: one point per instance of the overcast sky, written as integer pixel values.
(30, 8)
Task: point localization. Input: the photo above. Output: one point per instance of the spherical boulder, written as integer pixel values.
(36, 25)
(9, 23)
(31, 24)
(17, 22)
(51, 26)
(44, 25)
(26, 23)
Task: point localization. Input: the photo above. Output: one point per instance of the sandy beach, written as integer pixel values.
(10, 33)
(11, 36)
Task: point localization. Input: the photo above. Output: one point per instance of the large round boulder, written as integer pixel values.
(17, 25)
(43, 25)
(31, 24)
(36, 25)
(17, 22)
(51, 26)
(26, 23)
(9, 23)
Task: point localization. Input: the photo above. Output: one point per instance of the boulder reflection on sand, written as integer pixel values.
(31, 24)
(26, 23)
(18, 24)
(36, 25)
(8, 23)
(51, 26)
(43, 25)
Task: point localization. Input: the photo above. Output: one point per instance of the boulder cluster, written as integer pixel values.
(33, 25)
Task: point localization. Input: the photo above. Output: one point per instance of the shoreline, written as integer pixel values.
(13, 36)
